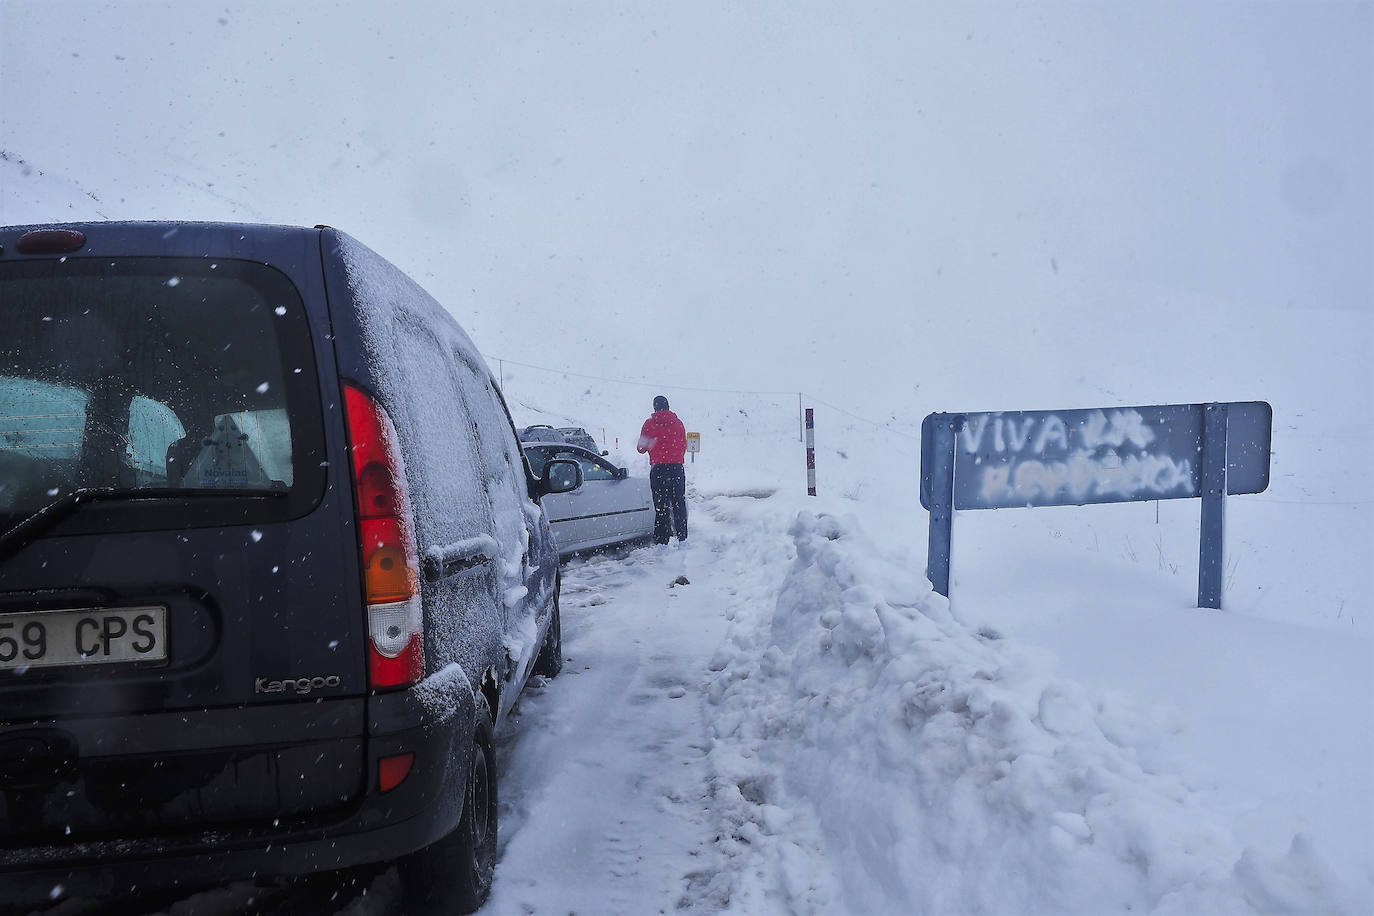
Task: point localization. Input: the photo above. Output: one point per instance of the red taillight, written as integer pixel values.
(386, 546)
(50, 241)
(392, 771)
(376, 490)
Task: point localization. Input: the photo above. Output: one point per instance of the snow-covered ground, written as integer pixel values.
(1070, 736)
(896, 209)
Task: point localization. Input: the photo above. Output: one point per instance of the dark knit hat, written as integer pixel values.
(660, 403)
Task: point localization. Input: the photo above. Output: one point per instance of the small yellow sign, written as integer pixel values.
(694, 442)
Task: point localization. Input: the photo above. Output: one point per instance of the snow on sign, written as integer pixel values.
(1030, 458)
(1075, 457)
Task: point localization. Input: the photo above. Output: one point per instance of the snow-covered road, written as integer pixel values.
(606, 804)
(607, 794)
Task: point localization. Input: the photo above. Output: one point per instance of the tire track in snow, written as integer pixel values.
(606, 782)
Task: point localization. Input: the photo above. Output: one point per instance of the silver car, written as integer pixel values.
(610, 507)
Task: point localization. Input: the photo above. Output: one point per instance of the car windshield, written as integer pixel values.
(148, 373)
(592, 468)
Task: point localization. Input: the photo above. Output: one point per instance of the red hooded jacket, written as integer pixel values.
(664, 438)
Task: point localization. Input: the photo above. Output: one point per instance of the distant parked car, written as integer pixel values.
(576, 435)
(610, 507)
(573, 435)
(542, 432)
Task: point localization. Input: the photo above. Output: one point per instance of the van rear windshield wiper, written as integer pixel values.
(25, 532)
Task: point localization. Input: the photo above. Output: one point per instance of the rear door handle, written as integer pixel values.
(451, 559)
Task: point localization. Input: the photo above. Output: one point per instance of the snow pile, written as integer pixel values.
(922, 766)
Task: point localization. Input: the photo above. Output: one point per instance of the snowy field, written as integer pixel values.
(896, 209)
(1071, 735)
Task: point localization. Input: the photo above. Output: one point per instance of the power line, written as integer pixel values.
(881, 427)
(622, 381)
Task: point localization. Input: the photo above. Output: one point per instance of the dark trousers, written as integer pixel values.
(669, 486)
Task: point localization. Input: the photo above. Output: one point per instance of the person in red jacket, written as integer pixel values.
(664, 439)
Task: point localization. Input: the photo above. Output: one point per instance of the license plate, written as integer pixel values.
(89, 636)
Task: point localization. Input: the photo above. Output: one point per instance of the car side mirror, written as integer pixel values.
(605, 452)
(622, 473)
(560, 476)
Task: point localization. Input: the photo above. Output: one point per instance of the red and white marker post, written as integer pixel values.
(810, 451)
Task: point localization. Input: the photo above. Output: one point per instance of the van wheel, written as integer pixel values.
(550, 659)
(453, 875)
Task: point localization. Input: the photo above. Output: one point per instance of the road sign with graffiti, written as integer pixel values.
(1008, 459)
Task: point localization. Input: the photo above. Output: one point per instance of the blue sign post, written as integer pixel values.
(1010, 459)
(941, 502)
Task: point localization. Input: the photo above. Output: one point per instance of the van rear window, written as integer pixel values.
(161, 374)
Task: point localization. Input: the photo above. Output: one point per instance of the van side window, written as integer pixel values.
(503, 468)
(440, 451)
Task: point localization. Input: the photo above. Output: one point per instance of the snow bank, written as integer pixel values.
(941, 769)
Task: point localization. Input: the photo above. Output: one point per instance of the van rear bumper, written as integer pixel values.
(426, 806)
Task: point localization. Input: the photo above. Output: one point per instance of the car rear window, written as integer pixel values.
(164, 375)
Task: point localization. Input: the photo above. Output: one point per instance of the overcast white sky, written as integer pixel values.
(744, 195)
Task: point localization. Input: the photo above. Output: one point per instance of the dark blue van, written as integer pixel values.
(272, 565)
